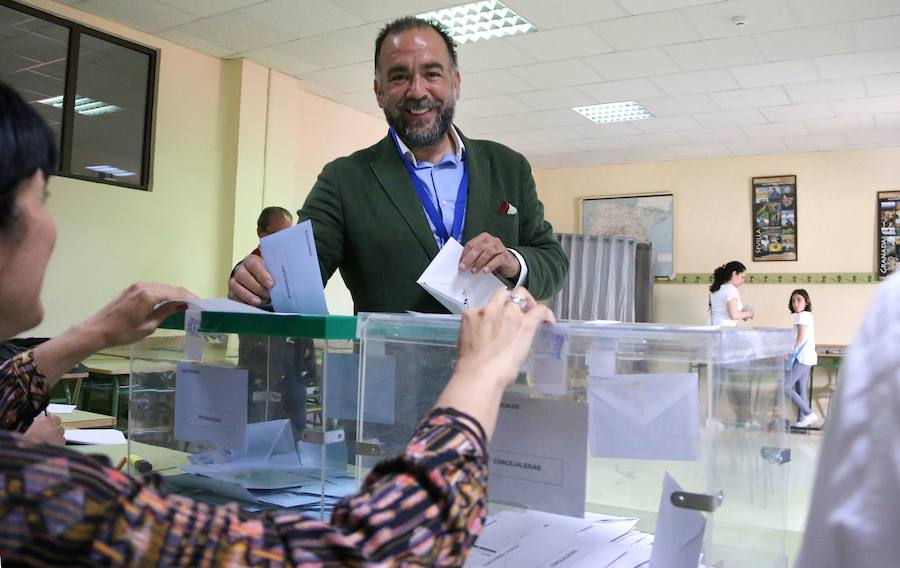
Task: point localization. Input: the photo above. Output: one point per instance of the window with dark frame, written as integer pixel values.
(95, 90)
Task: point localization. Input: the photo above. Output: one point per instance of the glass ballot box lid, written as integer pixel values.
(257, 408)
(672, 436)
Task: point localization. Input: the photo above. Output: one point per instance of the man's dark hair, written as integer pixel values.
(412, 23)
(26, 145)
(269, 213)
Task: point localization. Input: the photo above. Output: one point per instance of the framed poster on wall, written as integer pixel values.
(645, 218)
(774, 218)
(888, 223)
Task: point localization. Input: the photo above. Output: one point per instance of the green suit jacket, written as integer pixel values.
(368, 222)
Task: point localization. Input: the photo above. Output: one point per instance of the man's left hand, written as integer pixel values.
(487, 253)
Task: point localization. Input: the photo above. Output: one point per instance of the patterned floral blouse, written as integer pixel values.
(424, 507)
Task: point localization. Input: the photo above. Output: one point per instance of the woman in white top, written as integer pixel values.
(803, 357)
(725, 307)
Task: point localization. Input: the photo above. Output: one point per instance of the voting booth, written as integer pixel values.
(675, 431)
(254, 407)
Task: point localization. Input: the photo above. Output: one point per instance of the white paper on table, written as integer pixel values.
(608, 528)
(457, 290)
(211, 405)
(290, 257)
(679, 532)
(549, 360)
(538, 455)
(54, 408)
(645, 416)
(95, 436)
(562, 540)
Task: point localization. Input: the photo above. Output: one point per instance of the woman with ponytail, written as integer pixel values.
(725, 307)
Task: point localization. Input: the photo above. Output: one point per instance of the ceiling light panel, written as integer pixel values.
(614, 112)
(479, 21)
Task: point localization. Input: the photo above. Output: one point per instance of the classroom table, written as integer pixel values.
(84, 419)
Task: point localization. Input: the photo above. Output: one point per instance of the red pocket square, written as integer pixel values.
(507, 208)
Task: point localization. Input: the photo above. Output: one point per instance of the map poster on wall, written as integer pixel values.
(888, 224)
(774, 218)
(645, 218)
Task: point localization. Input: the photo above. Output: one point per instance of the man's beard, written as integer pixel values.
(417, 137)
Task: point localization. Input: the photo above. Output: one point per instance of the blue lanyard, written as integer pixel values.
(437, 220)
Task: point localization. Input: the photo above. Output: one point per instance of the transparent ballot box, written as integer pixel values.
(257, 408)
(678, 429)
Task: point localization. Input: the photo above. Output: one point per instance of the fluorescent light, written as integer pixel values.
(614, 112)
(110, 171)
(83, 105)
(480, 20)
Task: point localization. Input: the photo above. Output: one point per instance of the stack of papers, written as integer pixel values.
(457, 291)
(533, 538)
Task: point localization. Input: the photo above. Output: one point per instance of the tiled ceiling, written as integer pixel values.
(799, 75)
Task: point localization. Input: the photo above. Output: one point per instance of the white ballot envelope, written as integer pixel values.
(649, 416)
(538, 455)
(457, 291)
(679, 532)
(290, 257)
(211, 405)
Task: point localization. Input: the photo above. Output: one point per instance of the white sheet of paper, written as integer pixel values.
(457, 291)
(538, 455)
(211, 405)
(216, 305)
(650, 416)
(95, 436)
(679, 532)
(54, 408)
(290, 257)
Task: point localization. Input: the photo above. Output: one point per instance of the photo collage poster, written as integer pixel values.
(775, 218)
(888, 223)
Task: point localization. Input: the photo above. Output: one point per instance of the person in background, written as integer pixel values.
(271, 220)
(425, 506)
(854, 516)
(725, 306)
(803, 358)
(726, 309)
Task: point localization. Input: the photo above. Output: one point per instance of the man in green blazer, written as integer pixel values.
(380, 214)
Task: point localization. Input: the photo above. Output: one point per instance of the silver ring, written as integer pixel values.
(517, 300)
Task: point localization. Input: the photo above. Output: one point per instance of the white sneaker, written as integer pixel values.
(807, 420)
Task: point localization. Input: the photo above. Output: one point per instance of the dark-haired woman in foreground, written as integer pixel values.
(424, 507)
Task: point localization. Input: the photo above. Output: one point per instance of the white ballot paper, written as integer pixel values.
(538, 456)
(457, 291)
(679, 532)
(211, 405)
(94, 436)
(290, 257)
(54, 408)
(650, 416)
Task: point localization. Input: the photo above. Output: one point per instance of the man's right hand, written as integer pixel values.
(250, 282)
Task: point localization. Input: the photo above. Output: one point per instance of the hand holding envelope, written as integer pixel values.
(649, 416)
(457, 290)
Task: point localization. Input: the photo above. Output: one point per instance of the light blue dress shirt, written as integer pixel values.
(442, 180)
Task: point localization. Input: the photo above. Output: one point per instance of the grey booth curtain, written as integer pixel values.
(609, 278)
